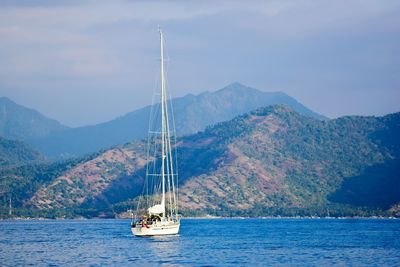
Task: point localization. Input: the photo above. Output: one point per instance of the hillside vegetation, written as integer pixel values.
(272, 161)
(15, 153)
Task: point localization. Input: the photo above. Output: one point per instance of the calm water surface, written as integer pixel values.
(214, 242)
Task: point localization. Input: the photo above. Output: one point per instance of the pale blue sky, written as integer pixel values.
(84, 62)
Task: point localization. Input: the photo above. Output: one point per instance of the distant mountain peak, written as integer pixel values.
(22, 123)
(238, 87)
(236, 84)
(192, 113)
(4, 99)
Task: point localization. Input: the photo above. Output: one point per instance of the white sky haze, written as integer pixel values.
(85, 62)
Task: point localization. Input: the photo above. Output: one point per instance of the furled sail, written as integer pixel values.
(157, 209)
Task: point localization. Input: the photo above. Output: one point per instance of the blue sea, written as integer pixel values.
(203, 242)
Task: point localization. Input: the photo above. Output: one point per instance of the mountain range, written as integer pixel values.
(271, 161)
(21, 123)
(192, 114)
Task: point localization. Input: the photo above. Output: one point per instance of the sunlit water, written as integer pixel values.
(214, 242)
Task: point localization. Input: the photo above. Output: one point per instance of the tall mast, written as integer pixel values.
(162, 121)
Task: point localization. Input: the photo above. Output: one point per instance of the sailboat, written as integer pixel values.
(157, 208)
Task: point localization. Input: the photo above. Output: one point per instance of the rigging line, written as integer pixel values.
(152, 143)
(156, 184)
(168, 184)
(170, 171)
(154, 132)
(170, 156)
(149, 138)
(162, 120)
(151, 164)
(171, 160)
(168, 129)
(168, 148)
(176, 195)
(154, 167)
(152, 107)
(166, 50)
(171, 174)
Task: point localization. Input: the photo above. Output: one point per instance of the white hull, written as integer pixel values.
(156, 229)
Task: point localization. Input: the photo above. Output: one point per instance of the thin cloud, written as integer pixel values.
(308, 48)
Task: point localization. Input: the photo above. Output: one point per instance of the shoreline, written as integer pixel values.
(216, 218)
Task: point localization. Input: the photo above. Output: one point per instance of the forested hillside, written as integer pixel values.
(15, 153)
(272, 161)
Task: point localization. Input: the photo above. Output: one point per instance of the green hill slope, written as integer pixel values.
(275, 159)
(14, 153)
(272, 161)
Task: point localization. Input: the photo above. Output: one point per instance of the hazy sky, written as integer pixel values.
(84, 62)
